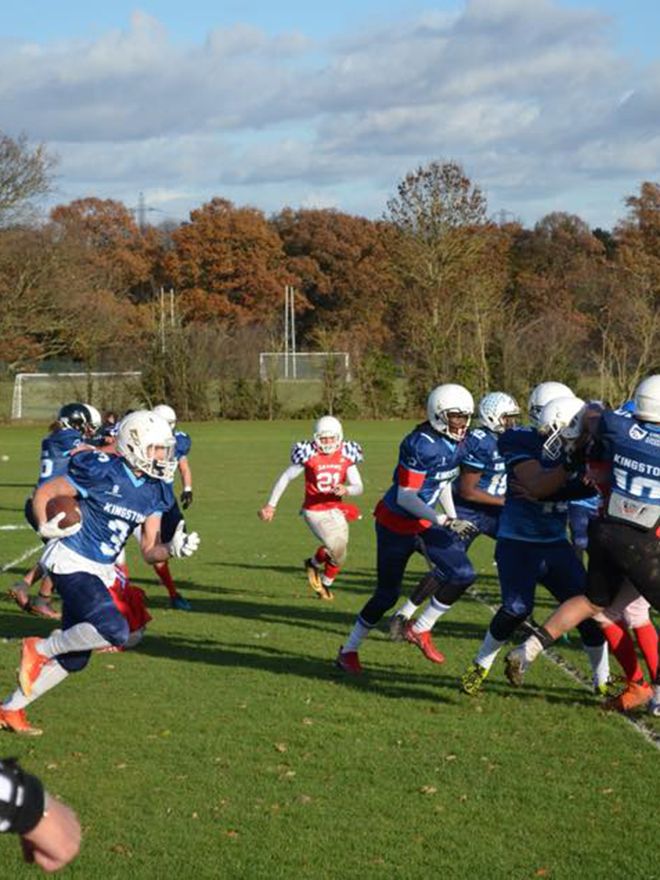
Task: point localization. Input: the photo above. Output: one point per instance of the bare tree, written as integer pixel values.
(25, 174)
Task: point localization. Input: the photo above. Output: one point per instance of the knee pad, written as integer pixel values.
(75, 661)
(591, 633)
(504, 624)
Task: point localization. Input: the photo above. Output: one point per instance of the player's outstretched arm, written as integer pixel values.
(266, 513)
(55, 841)
(155, 550)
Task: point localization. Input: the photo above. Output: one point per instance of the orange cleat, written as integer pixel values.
(32, 663)
(636, 694)
(349, 662)
(424, 642)
(15, 721)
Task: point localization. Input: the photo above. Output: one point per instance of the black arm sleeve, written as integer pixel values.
(21, 798)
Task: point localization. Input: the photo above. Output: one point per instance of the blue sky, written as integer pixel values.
(548, 104)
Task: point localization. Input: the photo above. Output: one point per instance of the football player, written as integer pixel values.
(330, 466)
(116, 493)
(72, 427)
(478, 493)
(624, 544)
(407, 522)
(532, 545)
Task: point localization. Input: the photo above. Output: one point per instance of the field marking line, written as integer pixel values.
(21, 558)
(17, 528)
(560, 662)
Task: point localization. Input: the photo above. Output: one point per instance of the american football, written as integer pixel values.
(66, 504)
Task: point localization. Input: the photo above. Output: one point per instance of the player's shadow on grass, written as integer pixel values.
(29, 486)
(17, 624)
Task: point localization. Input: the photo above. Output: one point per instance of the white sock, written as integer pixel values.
(600, 662)
(326, 581)
(51, 674)
(81, 637)
(407, 610)
(488, 651)
(430, 616)
(531, 648)
(359, 632)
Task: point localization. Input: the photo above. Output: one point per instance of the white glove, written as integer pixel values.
(463, 528)
(51, 529)
(183, 544)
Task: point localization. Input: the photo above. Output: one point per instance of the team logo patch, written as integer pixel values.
(637, 433)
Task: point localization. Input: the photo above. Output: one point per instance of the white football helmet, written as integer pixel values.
(95, 419)
(139, 435)
(328, 434)
(496, 409)
(446, 401)
(646, 399)
(166, 412)
(562, 420)
(542, 394)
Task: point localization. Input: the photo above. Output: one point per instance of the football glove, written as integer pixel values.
(186, 498)
(51, 528)
(183, 544)
(465, 530)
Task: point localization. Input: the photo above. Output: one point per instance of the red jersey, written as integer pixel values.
(323, 473)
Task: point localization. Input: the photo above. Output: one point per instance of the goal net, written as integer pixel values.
(40, 395)
(304, 365)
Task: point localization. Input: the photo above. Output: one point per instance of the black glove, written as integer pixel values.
(186, 498)
(465, 530)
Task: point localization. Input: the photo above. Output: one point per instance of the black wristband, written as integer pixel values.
(25, 808)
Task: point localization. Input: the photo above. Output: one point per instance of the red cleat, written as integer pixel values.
(635, 695)
(32, 663)
(424, 643)
(15, 721)
(349, 662)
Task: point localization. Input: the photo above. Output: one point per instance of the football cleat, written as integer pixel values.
(180, 603)
(634, 695)
(654, 705)
(606, 689)
(19, 593)
(397, 627)
(32, 663)
(515, 666)
(423, 641)
(349, 662)
(326, 593)
(472, 679)
(15, 721)
(313, 576)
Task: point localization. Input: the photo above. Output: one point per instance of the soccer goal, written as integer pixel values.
(304, 364)
(40, 395)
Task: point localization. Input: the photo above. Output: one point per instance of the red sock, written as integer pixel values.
(321, 556)
(623, 648)
(647, 639)
(162, 569)
(331, 571)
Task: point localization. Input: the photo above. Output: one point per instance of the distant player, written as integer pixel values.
(407, 522)
(71, 429)
(478, 492)
(624, 545)
(116, 493)
(330, 466)
(532, 544)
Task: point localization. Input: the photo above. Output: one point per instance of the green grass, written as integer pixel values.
(227, 745)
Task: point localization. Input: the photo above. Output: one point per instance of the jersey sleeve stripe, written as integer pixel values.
(410, 479)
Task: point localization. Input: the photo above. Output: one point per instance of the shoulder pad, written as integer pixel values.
(352, 451)
(302, 451)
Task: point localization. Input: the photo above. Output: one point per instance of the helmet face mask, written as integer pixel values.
(542, 394)
(646, 400)
(75, 416)
(166, 412)
(562, 422)
(449, 409)
(498, 411)
(328, 434)
(146, 441)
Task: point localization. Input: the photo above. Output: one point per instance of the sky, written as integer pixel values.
(549, 105)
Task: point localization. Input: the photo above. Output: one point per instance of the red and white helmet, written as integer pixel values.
(328, 434)
(446, 401)
(542, 394)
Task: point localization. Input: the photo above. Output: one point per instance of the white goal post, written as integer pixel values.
(303, 364)
(40, 395)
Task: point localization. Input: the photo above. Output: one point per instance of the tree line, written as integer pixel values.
(435, 290)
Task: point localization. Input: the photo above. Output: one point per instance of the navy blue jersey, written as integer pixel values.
(632, 448)
(544, 520)
(183, 444)
(484, 456)
(55, 451)
(113, 502)
(428, 461)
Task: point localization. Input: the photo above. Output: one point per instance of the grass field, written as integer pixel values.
(228, 746)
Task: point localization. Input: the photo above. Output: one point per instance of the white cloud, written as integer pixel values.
(530, 95)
